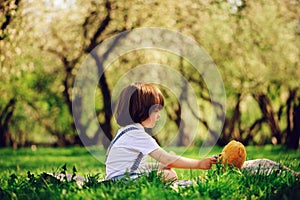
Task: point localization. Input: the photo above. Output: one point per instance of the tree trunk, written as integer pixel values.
(235, 122)
(180, 125)
(107, 106)
(106, 93)
(268, 113)
(290, 110)
(293, 121)
(184, 138)
(294, 134)
(232, 126)
(252, 130)
(77, 110)
(5, 120)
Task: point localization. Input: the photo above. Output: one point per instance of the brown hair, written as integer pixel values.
(136, 102)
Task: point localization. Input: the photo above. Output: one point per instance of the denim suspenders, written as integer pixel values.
(140, 156)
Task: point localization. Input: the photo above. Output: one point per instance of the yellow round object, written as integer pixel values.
(233, 154)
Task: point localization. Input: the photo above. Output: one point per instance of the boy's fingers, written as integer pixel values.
(213, 160)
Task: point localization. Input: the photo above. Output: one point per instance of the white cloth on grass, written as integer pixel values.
(127, 149)
(266, 167)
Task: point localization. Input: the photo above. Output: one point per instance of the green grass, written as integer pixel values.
(22, 177)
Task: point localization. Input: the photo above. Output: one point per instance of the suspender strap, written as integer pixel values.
(137, 162)
(118, 136)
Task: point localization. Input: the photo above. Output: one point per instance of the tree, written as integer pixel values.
(258, 33)
(6, 116)
(8, 9)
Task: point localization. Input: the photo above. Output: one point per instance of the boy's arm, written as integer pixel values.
(173, 161)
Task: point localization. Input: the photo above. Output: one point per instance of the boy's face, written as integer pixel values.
(153, 118)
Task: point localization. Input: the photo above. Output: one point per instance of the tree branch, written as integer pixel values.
(102, 26)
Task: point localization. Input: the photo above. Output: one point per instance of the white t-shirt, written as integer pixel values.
(134, 144)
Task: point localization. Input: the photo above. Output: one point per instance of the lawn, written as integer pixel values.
(21, 177)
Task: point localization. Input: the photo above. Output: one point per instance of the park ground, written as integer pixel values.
(21, 177)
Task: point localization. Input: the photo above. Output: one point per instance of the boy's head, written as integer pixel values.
(136, 102)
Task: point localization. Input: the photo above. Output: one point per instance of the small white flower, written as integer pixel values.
(232, 2)
(239, 3)
(234, 9)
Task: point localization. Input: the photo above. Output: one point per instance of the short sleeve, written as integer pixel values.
(142, 142)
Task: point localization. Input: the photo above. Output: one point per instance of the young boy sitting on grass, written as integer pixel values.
(138, 107)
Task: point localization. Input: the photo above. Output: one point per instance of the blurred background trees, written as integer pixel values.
(254, 44)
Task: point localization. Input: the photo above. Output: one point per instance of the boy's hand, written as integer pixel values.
(206, 163)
